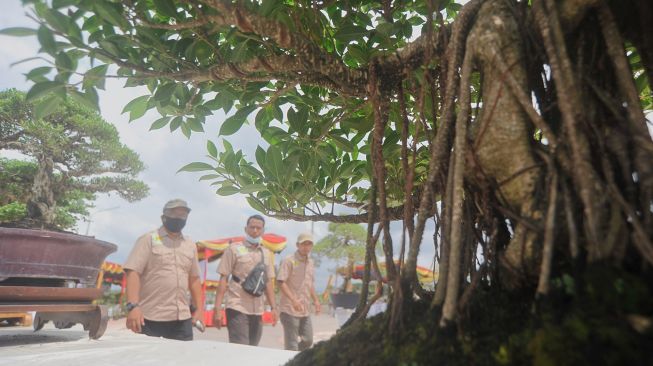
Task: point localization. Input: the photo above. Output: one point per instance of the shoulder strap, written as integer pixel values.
(262, 255)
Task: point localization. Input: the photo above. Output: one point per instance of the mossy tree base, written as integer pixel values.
(603, 318)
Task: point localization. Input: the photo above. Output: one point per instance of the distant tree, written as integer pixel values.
(344, 241)
(73, 154)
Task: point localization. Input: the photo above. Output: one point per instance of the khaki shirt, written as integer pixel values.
(238, 260)
(298, 274)
(164, 265)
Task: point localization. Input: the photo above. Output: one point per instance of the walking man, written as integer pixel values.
(296, 278)
(244, 310)
(161, 269)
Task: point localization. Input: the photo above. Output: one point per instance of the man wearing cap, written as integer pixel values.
(243, 310)
(161, 269)
(296, 278)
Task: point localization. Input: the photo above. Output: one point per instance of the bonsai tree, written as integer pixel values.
(518, 127)
(74, 154)
(344, 242)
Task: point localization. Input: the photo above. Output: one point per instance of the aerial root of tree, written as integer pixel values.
(498, 151)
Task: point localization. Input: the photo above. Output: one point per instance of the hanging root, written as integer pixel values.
(453, 277)
(549, 234)
(441, 143)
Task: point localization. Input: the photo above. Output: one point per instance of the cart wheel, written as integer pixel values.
(98, 322)
(39, 322)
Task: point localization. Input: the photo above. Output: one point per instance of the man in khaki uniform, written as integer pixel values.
(296, 278)
(243, 310)
(160, 270)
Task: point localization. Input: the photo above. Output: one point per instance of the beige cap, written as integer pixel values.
(176, 203)
(305, 237)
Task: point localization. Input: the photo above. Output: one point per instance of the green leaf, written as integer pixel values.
(109, 47)
(255, 204)
(274, 162)
(56, 4)
(195, 167)
(350, 33)
(176, 122)
(18, 32)
(63, 62)
(251, 188)
(227, 191)
(185, 130)
(164, 92)
(209, 177)
(136, 107)
(342, 189)
(357, 52)
(57, 20)
(166, 7)
(232, 124)
(46, 106)
(263, 118)
(95, 77)
(195, 125)
(38, 72)
(88, 99)
(342, 143)
(46, 39)
(211, 148)
(40, 89)
(227, 146)
(159, 123)
(260, 156)
(108, 12)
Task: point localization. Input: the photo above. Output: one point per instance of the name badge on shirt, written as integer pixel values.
(242, 251)
(156, 239)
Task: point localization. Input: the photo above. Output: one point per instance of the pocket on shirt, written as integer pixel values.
(186, 260)
(161, 254)
(244, 264)
(244, 260)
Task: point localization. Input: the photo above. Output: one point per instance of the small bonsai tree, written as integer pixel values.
(344, 241)
(72, 154)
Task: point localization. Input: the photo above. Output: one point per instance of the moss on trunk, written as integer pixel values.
(602, 317)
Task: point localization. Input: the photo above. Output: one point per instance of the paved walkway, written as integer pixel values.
(118, 345)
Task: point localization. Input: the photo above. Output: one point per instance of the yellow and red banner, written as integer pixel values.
(213, 249)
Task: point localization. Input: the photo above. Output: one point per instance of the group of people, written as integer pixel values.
(163, 268)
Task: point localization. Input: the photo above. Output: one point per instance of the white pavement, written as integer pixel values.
(118, 346)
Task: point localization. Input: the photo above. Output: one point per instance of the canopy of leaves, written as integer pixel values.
(344, 241)
(297, 71)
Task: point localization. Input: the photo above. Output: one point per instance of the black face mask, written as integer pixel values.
(174, 225)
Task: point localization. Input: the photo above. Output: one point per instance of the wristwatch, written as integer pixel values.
(130, 306)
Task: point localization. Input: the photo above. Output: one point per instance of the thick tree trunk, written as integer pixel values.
(502, 135)
(41, 206)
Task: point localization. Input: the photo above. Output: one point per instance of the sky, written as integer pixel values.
(120, 222)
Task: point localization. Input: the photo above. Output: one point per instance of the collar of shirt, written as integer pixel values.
(300, 257)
